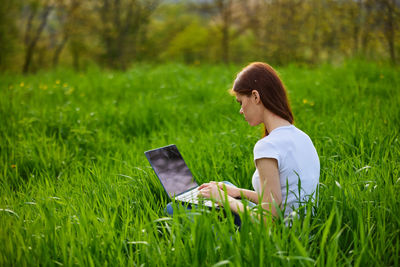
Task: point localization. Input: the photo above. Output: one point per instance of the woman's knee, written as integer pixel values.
(169, 209)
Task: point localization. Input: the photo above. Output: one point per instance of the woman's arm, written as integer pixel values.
(270, 183)
(233, 191)
(212, 190)
(242, 193)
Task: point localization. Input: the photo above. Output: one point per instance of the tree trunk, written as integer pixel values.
(75, 59)
(225, 9)
(357, 27)
(390, 29)
(30, 41)
(316, 37)
(366, 28)
(59, 49)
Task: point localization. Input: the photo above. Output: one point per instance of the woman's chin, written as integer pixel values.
(252, 123)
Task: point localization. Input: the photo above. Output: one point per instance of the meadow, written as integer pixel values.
(76, 188)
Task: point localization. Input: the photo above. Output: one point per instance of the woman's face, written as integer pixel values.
(250, 107)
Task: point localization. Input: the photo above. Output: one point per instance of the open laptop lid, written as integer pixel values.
(171, 169)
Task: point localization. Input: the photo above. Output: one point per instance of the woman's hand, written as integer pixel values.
(212, 191)
(215, 190)
(232, 191)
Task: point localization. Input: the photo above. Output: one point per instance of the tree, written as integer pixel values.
(122, 21)
(221, 12)
(8, 32)
(68, 14)
(33, 32)
(390, 11)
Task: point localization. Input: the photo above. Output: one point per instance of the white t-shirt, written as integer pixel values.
(297, 159)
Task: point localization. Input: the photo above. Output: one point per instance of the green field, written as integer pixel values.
(76, 188)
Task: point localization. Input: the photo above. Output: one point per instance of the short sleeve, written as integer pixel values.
(265, 149)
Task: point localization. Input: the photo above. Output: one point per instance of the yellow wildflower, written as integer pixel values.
(70, 90)
(22, 84)
(65, 85)
(58, 82)
(305, 101)
(13, 165)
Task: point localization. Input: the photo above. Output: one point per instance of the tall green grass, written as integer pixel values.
(76, 188)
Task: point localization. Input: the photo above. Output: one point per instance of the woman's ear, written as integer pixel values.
(256, 96)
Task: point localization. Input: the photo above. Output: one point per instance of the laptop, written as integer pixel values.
(174, 175)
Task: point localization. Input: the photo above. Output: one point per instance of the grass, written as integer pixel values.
(76, 188)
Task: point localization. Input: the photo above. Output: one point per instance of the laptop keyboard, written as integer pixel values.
(192, 197)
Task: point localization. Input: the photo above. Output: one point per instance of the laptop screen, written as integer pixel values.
(171, 169)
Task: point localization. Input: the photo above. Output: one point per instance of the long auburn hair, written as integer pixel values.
(263, 78)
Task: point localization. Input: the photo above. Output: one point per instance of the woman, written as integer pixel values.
(284, 157)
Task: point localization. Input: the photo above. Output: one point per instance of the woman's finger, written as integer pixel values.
(221, 185)
(203, 186)
(204, 193)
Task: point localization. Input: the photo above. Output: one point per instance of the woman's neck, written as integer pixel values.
(272, 121)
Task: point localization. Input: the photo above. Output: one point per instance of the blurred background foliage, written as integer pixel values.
(42, 34)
